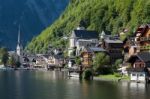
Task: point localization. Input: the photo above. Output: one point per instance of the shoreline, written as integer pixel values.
(111, 79)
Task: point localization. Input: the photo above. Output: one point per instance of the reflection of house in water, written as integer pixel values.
(140, 87)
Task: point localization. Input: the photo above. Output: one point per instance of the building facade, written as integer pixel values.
(114, 47)
(81, 38)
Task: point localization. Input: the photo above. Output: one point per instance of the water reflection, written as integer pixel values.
(133, 90)
(56, 85)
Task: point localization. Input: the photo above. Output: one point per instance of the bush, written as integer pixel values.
(87, 74)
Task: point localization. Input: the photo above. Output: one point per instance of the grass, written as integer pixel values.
(113, 77)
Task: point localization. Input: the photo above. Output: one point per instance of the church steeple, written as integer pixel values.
(19, 49)
(19, 35)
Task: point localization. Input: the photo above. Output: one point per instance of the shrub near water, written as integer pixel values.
(87, 74)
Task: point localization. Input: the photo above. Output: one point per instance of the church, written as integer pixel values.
(19, 49)
(18, 54)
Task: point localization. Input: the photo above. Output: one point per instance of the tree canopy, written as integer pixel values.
(4, 56)
(100, 60)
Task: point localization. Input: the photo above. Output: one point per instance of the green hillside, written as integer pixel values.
(111, 15)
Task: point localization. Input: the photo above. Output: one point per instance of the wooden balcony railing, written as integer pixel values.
(145, 39)
(145, 47)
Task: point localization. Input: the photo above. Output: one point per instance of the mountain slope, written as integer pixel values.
(32, 15)
(110, 15)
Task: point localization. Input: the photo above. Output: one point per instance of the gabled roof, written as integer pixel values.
(85, 34)
(143, 56)
(107, 32)
(94, 49)
(46, 56)
(113, 41)
(97, 49)
(142, 29)
(58, 56)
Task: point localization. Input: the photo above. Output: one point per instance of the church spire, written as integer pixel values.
(19, 35)
(19, 48)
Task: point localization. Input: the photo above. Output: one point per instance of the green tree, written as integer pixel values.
(78, 60)
(100, 60)
(117, 63)
(12, 61)
(4, 56)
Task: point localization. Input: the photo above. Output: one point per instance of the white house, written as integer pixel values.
(80, 38)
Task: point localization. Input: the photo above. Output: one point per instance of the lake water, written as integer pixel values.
(55, 85)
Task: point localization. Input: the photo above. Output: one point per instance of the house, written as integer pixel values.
(140, 66)
(142, 37)
(55, 60)
(47, 61)
(88, 54)
(137, 75)
(127, 43)
(81, 38)
(40, 62)
(29, 61)
(114, 47)
(140, 42)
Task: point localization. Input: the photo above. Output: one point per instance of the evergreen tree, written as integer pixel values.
(4, 56)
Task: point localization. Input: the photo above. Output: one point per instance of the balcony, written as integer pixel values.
(145, 39)
(145, 47)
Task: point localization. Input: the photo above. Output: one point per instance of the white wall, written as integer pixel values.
(72, 42)
(137, 76)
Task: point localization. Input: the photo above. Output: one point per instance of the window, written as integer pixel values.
(141, 75)
(142, 65)
(133, 74)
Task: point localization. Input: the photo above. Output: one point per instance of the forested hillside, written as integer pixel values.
(110, 15)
